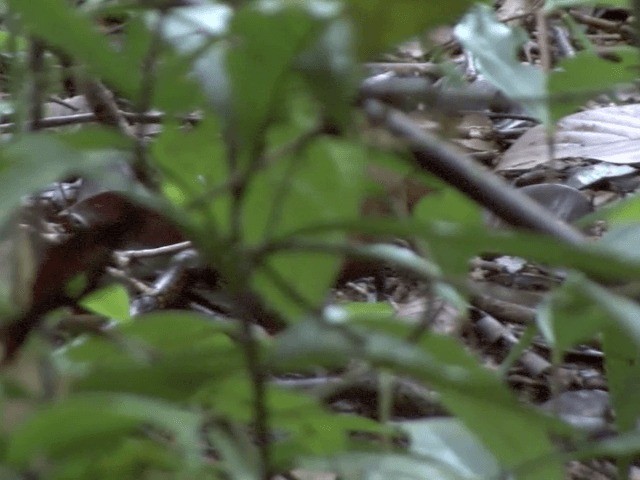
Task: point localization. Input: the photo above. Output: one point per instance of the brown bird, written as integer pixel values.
(72, 268)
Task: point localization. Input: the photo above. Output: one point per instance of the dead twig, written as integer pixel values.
(444, 161)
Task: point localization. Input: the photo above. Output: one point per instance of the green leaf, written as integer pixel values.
(258, 85)
(176, 91)
(623, 240)
(76, 426)
(33, 162)
(475, 396)
(621, 445)
(322, 183)
(191, 163)
(489, 410)
(570, 316)
(92, 138)
(588, 74)
(550, 5)
(448, 205)
(620, 341)
(62, 26)
(85, 425)
(313, 429)
(129, 460)
(577, 312)
(111, 301)
(182, 424)
(353, 311)
(380, 24)
(623, 212)
(310, 428)
(494, 45)
(453, 245)
(595, 310)
(448, 441)
(329, 69)
(168, 355)
(622, 364)
(621, 310)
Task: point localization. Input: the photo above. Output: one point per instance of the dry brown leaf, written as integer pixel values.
(610, 134)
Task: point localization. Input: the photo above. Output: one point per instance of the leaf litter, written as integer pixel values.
(609, 134)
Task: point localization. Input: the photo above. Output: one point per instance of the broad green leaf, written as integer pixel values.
(494, 45)
(286, 276)
(195, 178)
(192, 164)
(321, 183)
(489, 410)
(447, 440)
(550, 5)
(168, 355)
(474, 395)
(580, 77)
(622, 364)
(603, 305)
(448, 205)
(34, 161)
(621, 340)
(238, 457)
(310, 428)
(570, 316)
(260, 64)
(128, 460)
(92, 138)
(622, 213)
(452, 246)
(183, 424)
(66, 28)
(623, 239)
(621, 445)
(308, 344)
(76, 426)
(352, 311)
(380, 24)
(86, 425)
(329, 69)
(111, 301)
(176, 90)
(578, 311)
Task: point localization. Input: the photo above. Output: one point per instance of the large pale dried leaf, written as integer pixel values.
(68, 106)
(609, 134)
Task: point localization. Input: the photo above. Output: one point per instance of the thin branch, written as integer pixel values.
(145, 98)
(104, 107)
(38, 84)
(444, 161)
(402, 258)
(259, 383)
(81, 118)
